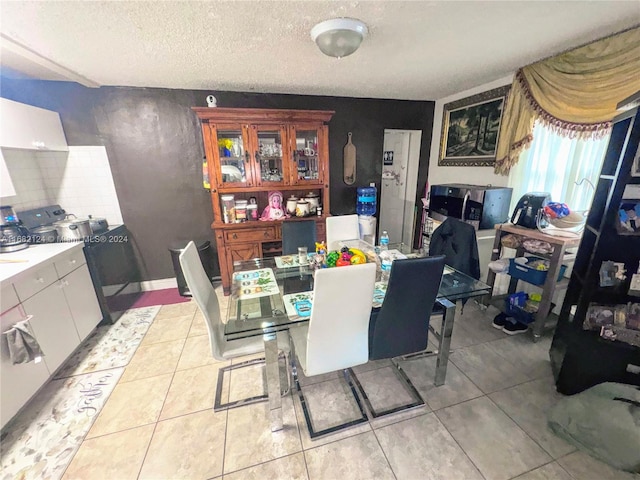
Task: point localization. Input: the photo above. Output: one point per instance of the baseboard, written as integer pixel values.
(159, 284)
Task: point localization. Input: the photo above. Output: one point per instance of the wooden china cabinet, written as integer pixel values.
(251, 152)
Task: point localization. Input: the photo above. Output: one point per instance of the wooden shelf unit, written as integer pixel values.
(551, 284)
(251, 152)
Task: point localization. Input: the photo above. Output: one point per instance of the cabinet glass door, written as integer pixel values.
(305, 156)
(232, 156)
(269, 155)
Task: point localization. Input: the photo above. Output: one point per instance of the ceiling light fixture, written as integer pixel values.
(339, 37)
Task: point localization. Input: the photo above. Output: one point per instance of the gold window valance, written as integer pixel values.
(574, 93)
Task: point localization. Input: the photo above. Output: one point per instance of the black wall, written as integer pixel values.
(155, 149)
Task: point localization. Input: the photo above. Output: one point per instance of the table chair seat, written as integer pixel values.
(221, 349)
(401, 326)
(336, 337)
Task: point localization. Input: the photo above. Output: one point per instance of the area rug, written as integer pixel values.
(42, 440)
(167, 296)
(45, 436)
(110, 346)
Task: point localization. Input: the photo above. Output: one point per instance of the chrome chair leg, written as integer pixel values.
(417, 400)
(286, 356)
(218, 405)
(305, 408)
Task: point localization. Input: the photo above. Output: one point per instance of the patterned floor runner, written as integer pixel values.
(41, 441)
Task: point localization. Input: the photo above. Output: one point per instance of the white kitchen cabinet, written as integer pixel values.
(19, 382)
(7, 189)
(28, 127)
(58, 293)
(8, 298)
(82, 301)
(53, 324)
(34, 281)
(68, 263)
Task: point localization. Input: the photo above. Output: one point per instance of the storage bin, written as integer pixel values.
(513, 307)
(529, 274)
(514, 304)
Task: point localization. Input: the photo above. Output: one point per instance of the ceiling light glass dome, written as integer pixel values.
(339, 37)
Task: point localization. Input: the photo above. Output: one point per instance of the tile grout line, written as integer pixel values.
(173, 375)
(521, 427)
(84, 438)
(458, 443)
(382, 449)
(295, 413)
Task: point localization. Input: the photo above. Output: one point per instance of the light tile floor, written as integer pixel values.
(486, 422)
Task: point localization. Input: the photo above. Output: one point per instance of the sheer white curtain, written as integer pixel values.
(555, 164)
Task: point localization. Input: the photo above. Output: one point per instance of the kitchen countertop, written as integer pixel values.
(36, 256)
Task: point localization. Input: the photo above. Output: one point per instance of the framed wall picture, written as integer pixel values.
(470, 129)
(629, 218)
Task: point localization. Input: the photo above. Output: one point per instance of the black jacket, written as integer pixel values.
(457, 241)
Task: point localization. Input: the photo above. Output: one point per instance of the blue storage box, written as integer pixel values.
(514, 304)
(513, 307)
(529, 274)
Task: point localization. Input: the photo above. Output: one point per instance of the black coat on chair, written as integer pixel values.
(457, 241)
(401, 325)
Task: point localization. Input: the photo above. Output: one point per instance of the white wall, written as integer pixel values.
(25, 172)
(472, 175)
(80, 181)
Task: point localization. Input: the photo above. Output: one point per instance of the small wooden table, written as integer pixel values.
(559, 244)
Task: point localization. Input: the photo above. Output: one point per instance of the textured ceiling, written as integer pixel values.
(420, 50)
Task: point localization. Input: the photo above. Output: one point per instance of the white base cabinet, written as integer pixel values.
(81, 298)
(62, 302)
(18, 383)
(52, 324)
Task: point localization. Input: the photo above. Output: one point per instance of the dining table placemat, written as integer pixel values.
(255, 283)
(379, 291)
(289, 261)
(298, 304)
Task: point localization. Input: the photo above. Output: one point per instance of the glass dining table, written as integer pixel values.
(274, 294)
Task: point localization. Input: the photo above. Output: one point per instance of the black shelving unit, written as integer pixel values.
(580, 358)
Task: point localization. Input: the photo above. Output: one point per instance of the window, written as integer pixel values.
(555, 164)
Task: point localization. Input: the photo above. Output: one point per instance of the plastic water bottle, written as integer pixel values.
(384, 241)
(366, 204)
(385, 266)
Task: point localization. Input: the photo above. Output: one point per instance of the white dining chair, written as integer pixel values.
(341, 227)
(221, 349)
(337, 335)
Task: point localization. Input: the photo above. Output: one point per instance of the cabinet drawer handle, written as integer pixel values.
(40, 280)
(246, 156)
(234, 236)
(266, 235)
(73, 262)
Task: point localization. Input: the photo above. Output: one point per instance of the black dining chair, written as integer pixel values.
(400, 326)
(299, 233)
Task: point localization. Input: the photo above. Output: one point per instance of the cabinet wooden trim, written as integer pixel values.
(250, 235)
(263, 115)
